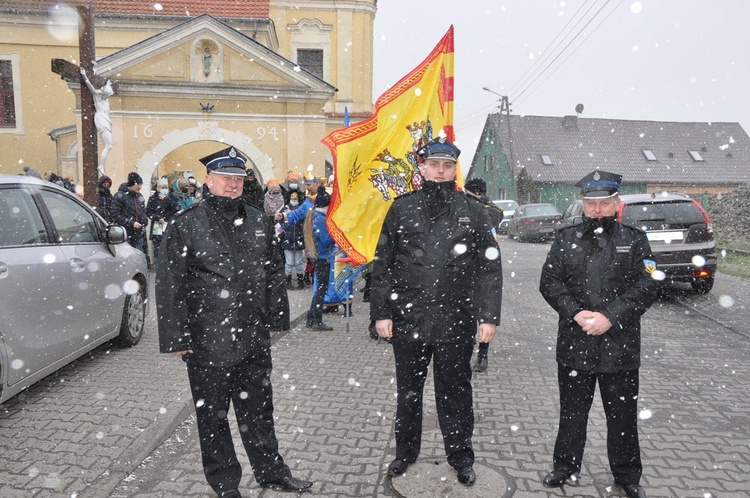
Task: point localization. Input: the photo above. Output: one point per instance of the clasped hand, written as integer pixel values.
(593, 322)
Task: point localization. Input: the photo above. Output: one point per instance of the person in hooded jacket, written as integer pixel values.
(273, 199)
(598, 278)
(129, 210)
(105, 197)
(161, 206)
(293, 244)
(219, 288)
(437, 272)
(252, 192)
(181, 191)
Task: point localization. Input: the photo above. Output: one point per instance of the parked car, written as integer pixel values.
(534, 222)
(509, 207)
(680, 233)
(573, 214)
(678, 229)
(68, 280)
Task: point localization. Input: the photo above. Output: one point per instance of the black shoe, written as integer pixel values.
(230, 493)
(289, 285)
(288, 484)
(481, 364)
(466, 476)
(321, 326)
(300, 283)
(633, 490)
(397, 467)
(556, 478)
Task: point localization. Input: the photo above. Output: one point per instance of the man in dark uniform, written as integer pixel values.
(477, 188)
(219, 287)
(437, 272)
(598, 278)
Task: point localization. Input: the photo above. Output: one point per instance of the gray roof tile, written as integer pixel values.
(578, 145)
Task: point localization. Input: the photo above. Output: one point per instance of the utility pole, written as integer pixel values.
(505, 107)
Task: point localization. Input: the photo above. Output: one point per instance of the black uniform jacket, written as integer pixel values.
(436, 275)
(604, 267)
(219, 282)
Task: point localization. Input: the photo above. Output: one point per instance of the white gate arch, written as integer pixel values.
(203, 132)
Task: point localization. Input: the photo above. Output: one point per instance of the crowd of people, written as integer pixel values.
(435, 292)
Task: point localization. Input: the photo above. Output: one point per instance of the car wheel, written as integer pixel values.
(133, 319)
(703, 286)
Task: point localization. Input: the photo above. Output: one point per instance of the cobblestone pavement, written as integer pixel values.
(119, 422)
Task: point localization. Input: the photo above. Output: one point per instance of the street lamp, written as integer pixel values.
(504, 106)
(492, 91)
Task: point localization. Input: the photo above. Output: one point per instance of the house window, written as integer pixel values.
(649, 155)
(546, 160)
(7, 97)
(695, 155)
(311, 60)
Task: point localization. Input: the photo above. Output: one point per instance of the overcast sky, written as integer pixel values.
(656, 60)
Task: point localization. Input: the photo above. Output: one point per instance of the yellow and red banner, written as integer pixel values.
(375, 160)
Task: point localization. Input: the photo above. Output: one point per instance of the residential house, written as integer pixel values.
(550, 154)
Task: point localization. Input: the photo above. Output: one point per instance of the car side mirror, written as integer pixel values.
(116, 234)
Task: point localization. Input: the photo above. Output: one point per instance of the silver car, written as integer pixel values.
(69, 282)
(509, 207)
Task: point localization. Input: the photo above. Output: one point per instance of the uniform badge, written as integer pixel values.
(260, 233)
(464, 220)
(623, 249)
(650, 265)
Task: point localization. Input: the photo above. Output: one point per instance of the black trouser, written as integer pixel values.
(619, 392)
(322, 273)
(248, 387)
(453, 397)
(155, 243)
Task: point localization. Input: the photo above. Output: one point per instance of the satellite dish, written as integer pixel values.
(579, 108)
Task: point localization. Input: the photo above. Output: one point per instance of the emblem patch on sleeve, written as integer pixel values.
(650, 265)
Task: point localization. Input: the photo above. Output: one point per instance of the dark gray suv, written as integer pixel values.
(680, 234)
(678, 229)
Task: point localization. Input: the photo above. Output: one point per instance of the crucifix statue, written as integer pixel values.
(101, 117)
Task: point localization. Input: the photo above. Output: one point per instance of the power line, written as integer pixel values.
(546, 53)
(520, 100)
(570, 44)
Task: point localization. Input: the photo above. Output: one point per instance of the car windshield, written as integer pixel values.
(676, 212)
(541, 210)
